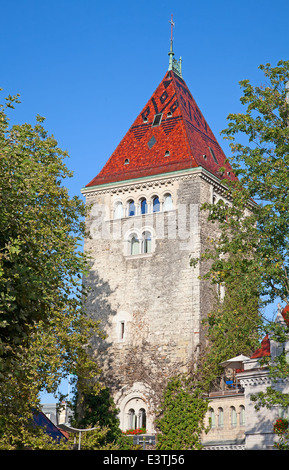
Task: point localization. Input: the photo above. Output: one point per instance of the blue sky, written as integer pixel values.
(89, 66)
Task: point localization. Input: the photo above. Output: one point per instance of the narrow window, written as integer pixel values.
(118, 210)
(168, 202)
(221, 418)
(121, 329)
(213, 155)
(134, 249)
(233, 417)
(212, 418)
(147, 242)
(242, 416)
(131, 419)
(143, 206)
(131, 208)
(156, 204)
(142, 418)
(157, 120)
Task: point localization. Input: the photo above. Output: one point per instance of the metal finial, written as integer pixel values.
(171, 53)
(175, 65)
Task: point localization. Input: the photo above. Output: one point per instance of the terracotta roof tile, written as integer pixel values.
(264, 350)
(181, 140)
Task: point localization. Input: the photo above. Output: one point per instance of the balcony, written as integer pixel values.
(225, 386)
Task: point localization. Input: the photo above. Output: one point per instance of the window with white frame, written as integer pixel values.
(143, 206)
(156, 204)
(168, 202)
(118, 210)
(233, 417)
(212, 418)
(140, 243)
(242, 416)
(131, 208)
(147, 242)
(220, 417)
(134, 245)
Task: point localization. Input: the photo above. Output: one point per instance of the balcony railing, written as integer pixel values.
(224, 387)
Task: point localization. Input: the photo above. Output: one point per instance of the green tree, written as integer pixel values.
(253, 246)
(97, 409)
(262, 168)
(181, 415)
(44, 332)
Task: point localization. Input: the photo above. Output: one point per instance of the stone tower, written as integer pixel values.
(145, 224)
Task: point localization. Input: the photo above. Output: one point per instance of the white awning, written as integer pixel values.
(235, 362)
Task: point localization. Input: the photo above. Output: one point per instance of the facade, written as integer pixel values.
(145, 225)
(226, 418)
(234, 422)
(255, 378)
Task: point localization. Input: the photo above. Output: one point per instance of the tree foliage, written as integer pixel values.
(181, 415)
(251, 255)
(44, 332)
(262, 168)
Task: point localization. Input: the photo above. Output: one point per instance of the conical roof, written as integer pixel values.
(169, 134)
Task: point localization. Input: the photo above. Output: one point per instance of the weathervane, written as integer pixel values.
(175, 65)
(172, 25)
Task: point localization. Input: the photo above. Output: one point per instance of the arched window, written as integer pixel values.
(134, 245)
(131, 208)
(118, 210)
(147, 242)
(156, 204)
(220, 417)
(143, 206)
(242, 416)
(212, 418)
(131, 419)
(233, 417)
(168, 202)
(142, 418)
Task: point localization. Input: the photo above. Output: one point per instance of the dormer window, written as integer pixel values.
(126, 162)
(157, 120)
(151, 142)
(213, 155)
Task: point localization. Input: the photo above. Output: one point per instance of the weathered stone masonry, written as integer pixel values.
(145, 224)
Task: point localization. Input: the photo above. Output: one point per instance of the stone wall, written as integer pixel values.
(150, 304)
(227, 432)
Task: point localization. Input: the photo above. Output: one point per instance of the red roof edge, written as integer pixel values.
(285, 314)
(264, 350)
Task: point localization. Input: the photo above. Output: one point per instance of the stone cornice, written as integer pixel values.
(155, 181)
(258, 377)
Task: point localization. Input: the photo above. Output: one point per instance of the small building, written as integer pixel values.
(234, 422)
(57, 415)
(226, 416)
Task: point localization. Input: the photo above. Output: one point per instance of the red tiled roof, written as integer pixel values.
(182, 140)
(264, 350)
(285, 314)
